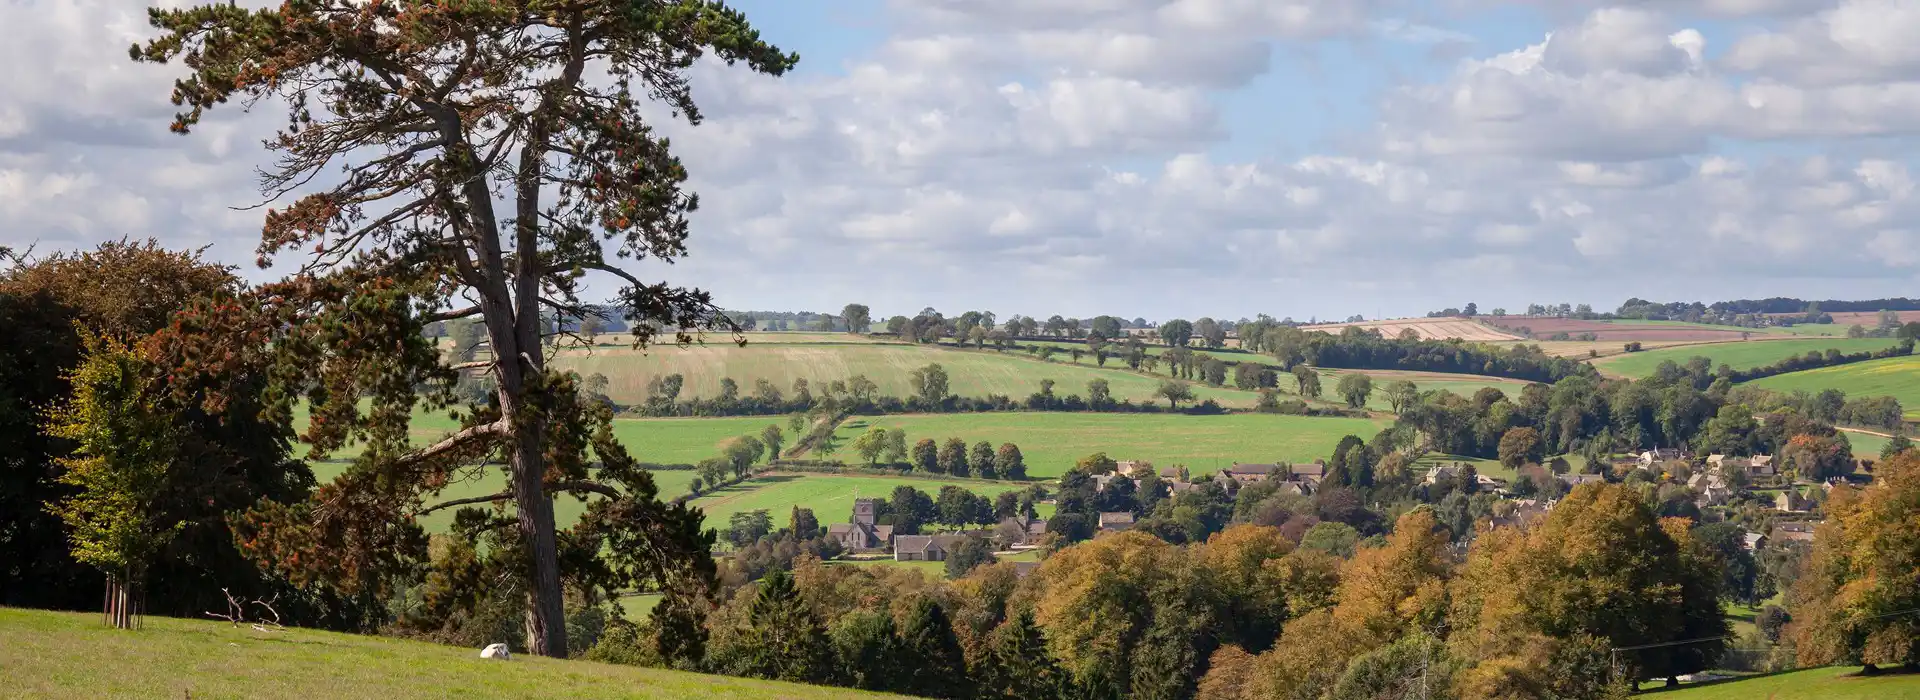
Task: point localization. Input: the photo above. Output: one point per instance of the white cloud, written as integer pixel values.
(1624, 40)
(1072, 156)
(1857, 41)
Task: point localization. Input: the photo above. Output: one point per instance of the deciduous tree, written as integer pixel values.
(125, 450)
(1008, 461)
(1861, 581)
(857, 318)
(1355, 387)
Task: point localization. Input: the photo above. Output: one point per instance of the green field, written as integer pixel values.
(1738, 355)
(830, 496)
(971, 373)
(1865, 445)
(1898, 377)
(656, 440)
(1829, 683)
(1052, 442)
(71, 655)
(1462, 384)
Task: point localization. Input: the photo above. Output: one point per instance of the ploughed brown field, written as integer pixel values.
(1543, 328)
(1426, 328)
(1864, 318)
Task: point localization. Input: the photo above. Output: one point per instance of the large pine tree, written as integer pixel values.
(451, 160)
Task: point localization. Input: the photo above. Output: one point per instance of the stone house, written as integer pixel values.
(1249, 473)
(1114, 522)
(925, 547)
(1791, 501)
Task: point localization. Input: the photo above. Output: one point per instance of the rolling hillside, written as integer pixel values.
(890, 366)
(1739, 355)
(1898, 377)
(71, 655)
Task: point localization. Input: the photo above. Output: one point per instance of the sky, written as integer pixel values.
(1158, 158)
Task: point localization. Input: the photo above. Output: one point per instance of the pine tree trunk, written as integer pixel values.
(527, 467)
(546, 626)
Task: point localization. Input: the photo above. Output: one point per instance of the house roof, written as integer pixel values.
(1169, 472)
(1119, 518)
(1252, 468)
(839, 528)
(918, 544)
(1313, 470)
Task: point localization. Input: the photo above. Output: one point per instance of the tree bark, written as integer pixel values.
(546, 628)
(546, 610)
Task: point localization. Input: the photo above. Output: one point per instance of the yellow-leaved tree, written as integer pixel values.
(1858, 600)
(1538, 612)
(124, 447)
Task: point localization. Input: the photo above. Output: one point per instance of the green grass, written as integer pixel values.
(1898, 377)
(1462, 384)
(1739, 355)
(1052, 442)
(656, 440)
(1867, 446)
(936, 569)
(830, 496)
(1828, 683)
(71, 655)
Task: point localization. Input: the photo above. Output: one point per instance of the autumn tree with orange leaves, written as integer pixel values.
(1857, 598)
(459, 160)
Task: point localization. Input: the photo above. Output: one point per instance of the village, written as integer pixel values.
(1742, 487)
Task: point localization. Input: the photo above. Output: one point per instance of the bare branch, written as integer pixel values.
(456, 441)
(452, 314)
(568, 486)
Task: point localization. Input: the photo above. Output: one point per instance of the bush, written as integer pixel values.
(625, 643)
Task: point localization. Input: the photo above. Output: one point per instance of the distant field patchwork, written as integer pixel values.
(1052, 442)
(1542, 328)
(890, 366)
(1739, 355)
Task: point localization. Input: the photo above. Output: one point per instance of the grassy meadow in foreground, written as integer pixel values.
(1828, 683)
(1052, 442)
(1737, 354)
(71, 655)
(1898, 377)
